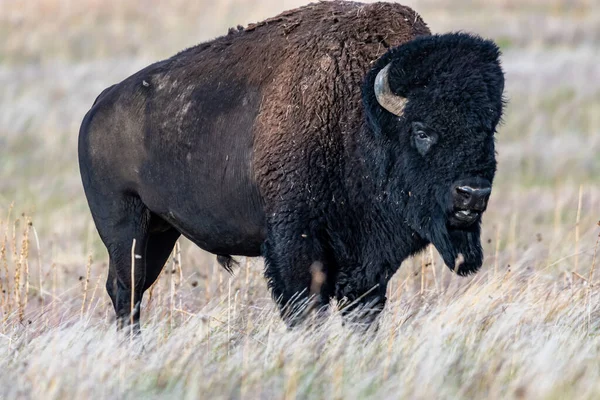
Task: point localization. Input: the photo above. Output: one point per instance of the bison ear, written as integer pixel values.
(384, 95)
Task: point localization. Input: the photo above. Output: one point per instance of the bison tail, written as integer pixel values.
(227, 262)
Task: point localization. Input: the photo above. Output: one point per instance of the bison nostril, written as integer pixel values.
(464, 192)
(470, 197)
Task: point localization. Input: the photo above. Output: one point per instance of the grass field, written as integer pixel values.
(526, 326)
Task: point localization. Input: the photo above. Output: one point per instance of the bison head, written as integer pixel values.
(433, 105)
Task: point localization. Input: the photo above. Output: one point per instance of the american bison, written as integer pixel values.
(338, 134)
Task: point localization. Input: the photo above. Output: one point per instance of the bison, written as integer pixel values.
(340, 135)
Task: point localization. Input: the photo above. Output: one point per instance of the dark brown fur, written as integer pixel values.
(250, 145)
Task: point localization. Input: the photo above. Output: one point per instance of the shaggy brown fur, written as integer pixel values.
(317, 57)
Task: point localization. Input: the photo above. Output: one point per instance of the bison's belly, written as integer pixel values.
(223, 220)
(219, 234)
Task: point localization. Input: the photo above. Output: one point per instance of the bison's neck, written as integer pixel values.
(377, 201)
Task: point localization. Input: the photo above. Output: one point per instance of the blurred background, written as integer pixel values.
(57, 55)
(526, 326)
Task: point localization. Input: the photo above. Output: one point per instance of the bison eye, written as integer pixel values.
(423, 139)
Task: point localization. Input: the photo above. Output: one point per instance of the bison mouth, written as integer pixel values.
(462, 219)
(469, 198)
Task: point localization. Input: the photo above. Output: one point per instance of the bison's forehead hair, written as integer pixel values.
(458, 72)
(457, 57)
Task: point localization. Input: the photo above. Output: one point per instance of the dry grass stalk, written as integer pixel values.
(577, 221)
(591, 274)
(178, 257)
(220, 275)
(39, 263)
(247, 280)
(5, 287)
(54, 282)
(172, 290)
(132, 306)
(423, 284)
(24, 255)
(151, 289)
(581, 277)
(165, 271)
(433, 267)
(4, 257)
(17, 273)
(88, 268)
(228, 315)
(93, 297)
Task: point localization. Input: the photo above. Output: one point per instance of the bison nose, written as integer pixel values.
(472, 198)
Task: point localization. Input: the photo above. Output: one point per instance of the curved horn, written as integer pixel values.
(386, 99)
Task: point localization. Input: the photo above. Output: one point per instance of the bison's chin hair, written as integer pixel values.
(460, 249)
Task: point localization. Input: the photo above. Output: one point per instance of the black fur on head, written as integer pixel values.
(453, 84)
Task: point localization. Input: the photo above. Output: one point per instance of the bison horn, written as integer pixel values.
(385, 97)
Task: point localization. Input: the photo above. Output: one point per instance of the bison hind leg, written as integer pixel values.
(227, 262)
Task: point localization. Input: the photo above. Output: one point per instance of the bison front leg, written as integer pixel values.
(295, 269)
(361, 293)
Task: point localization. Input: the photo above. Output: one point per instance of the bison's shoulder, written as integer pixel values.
(328, 24)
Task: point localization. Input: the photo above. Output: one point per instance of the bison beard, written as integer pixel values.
(334, 140)
(460, 249)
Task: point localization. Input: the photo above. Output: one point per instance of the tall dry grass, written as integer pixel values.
(526, 326)
(526, 329)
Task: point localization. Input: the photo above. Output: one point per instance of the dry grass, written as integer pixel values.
(525, 327)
